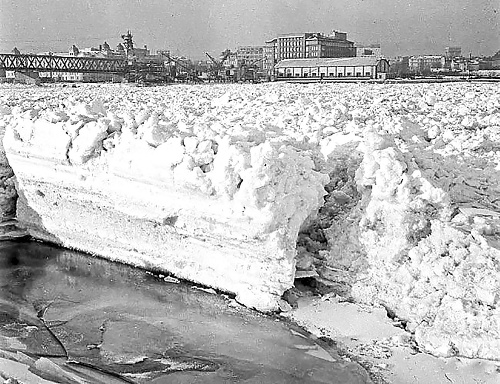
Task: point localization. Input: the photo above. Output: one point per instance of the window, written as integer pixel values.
(367, 74)
(358, 74)
(339, 75)
(349, 74)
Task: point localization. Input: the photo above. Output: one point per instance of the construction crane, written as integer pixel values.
(173, 69)
(248, 72)
(217, 65)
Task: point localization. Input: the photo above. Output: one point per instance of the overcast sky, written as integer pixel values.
(191, 27)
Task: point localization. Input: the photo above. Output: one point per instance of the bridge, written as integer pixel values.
(20, 62)
(133, 70)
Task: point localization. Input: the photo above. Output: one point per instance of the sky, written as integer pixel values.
(192, 27)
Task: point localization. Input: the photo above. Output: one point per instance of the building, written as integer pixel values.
(452, 52)
(24, 77)
(368, 50)
(62, 76)
(270, 58)
(336, 45)
(247, 55)
(495, 60)
(310, 45)
(459, 64)
(73, 51)
(333, 68)
(426, 63)
(305, 46)
(246, 63)
(250, 55)
(231, 60)
(400, 66)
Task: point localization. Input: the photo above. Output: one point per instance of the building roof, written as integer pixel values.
(299, 34)
(361, 45)
(328, 62)
(327, 38)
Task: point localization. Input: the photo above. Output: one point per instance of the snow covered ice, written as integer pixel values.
(395, 187)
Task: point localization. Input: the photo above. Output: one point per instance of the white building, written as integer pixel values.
(62, 76)
(426, 63)
(324, 68)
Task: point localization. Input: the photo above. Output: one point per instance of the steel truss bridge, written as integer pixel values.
(13, 62)
(133, 70)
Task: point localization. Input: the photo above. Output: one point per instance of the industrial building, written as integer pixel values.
(305, 46)
(332, 68)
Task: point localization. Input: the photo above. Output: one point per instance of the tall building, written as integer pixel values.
(452, 52)
(306, 45)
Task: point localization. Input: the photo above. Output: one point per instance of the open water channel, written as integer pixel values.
(67, 317)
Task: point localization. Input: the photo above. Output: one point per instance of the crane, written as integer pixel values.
(247, 72)
(217, 65)
(179, 64)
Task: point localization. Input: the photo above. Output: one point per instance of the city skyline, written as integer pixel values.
(192, 27)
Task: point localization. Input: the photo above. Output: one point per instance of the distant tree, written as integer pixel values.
(16, 51)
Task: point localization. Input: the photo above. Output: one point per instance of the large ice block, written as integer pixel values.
(221, 211)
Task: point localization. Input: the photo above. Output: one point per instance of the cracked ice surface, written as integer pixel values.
(410, 219)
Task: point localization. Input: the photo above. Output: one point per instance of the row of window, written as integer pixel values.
(314, 74)
(329, 44)
(288, 43)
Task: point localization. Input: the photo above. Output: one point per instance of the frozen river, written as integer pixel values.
(95, 321)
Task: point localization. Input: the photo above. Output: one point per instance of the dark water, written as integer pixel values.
(85, 319)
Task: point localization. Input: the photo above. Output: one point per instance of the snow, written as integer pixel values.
(391, 191)
(380, 342)
(214, 202)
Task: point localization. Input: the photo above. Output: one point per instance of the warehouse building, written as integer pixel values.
(306, 46)
(330, 68)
